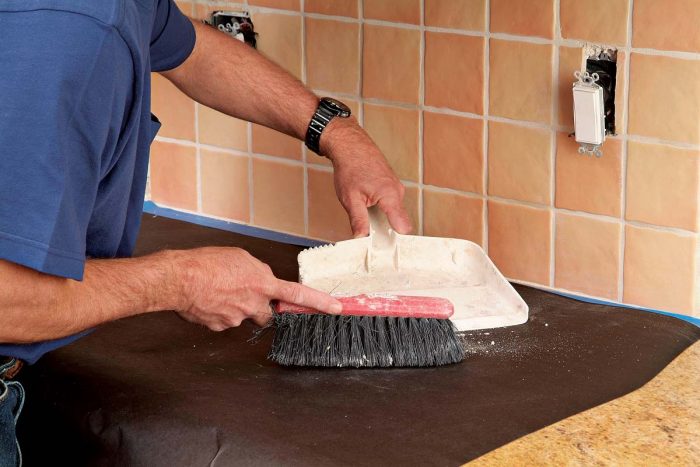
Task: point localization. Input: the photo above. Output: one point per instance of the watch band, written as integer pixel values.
(325, 112)
(317, 124)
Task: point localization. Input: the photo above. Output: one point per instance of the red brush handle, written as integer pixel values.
(400, 306)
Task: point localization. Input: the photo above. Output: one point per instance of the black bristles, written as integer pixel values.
(363, 341)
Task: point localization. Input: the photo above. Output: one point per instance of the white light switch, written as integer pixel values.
(589, 113)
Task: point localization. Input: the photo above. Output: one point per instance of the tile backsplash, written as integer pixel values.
(470, 100)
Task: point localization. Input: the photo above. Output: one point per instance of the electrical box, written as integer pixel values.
(594, 98)
(237, 24)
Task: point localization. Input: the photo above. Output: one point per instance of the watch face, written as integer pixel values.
(337, 107)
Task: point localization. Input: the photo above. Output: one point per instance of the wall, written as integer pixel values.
(470, 100)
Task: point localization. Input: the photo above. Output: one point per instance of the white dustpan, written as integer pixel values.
(389, 263)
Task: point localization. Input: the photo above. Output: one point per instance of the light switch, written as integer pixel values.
(589, 114)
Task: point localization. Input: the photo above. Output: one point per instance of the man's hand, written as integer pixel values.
(223, 286)
(363, 177)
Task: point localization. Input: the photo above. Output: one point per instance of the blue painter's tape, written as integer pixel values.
(152, 208)
(689, 319)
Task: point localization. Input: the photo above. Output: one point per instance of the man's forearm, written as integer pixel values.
(38, 307)
(232, 77)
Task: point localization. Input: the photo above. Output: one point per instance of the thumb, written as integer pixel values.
(396, 214)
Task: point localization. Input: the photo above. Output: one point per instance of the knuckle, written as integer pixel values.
(401, 190)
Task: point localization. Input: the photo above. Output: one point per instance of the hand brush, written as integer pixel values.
(372, 331)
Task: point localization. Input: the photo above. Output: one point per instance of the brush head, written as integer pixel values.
(319, 340)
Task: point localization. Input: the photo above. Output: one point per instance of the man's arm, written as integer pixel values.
(230, 76)
(216, 287)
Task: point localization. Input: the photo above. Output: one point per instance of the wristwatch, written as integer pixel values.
(327, 109)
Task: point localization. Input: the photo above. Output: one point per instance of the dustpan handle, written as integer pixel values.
(380, 229)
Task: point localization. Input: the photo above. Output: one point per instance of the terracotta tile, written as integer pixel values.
(451, 80)
(669, 25)
(453, 216)
(280, 39)
(521, 81)
(457, 14)
(530, 18)
(335, 8)
(399, 11)
(278, 196)
(661, 104)
(313, 158)
(662, 185)
(410, 202)
(202, 11)
(173, 108)
(599, 21)
(274, 143)
(225, 190)
(570, 60)
(453, 152)
(332, 55)
(587, 255)
(520, 164)
(327, 218)
(391, 63)
(395, 131)
(586, 183)
(280, 4)
(174, 175)
(219, 129)
(659, 269)
(519, 241)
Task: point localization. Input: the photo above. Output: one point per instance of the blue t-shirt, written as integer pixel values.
(76, 128)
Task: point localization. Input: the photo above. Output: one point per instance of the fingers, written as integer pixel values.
(396, 214)
(305, 296)
(359, 218)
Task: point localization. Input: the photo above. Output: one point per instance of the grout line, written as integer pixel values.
(421, 120)
(304, 153)
(360, 65)
(553, 145)
(198, 158)
(251, 184)
(486, 126)
(625, 150)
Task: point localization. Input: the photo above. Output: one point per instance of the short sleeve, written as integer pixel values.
(173, 37)
(64, 91)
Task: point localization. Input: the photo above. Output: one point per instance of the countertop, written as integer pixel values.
(154, 390)
(658, 424)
